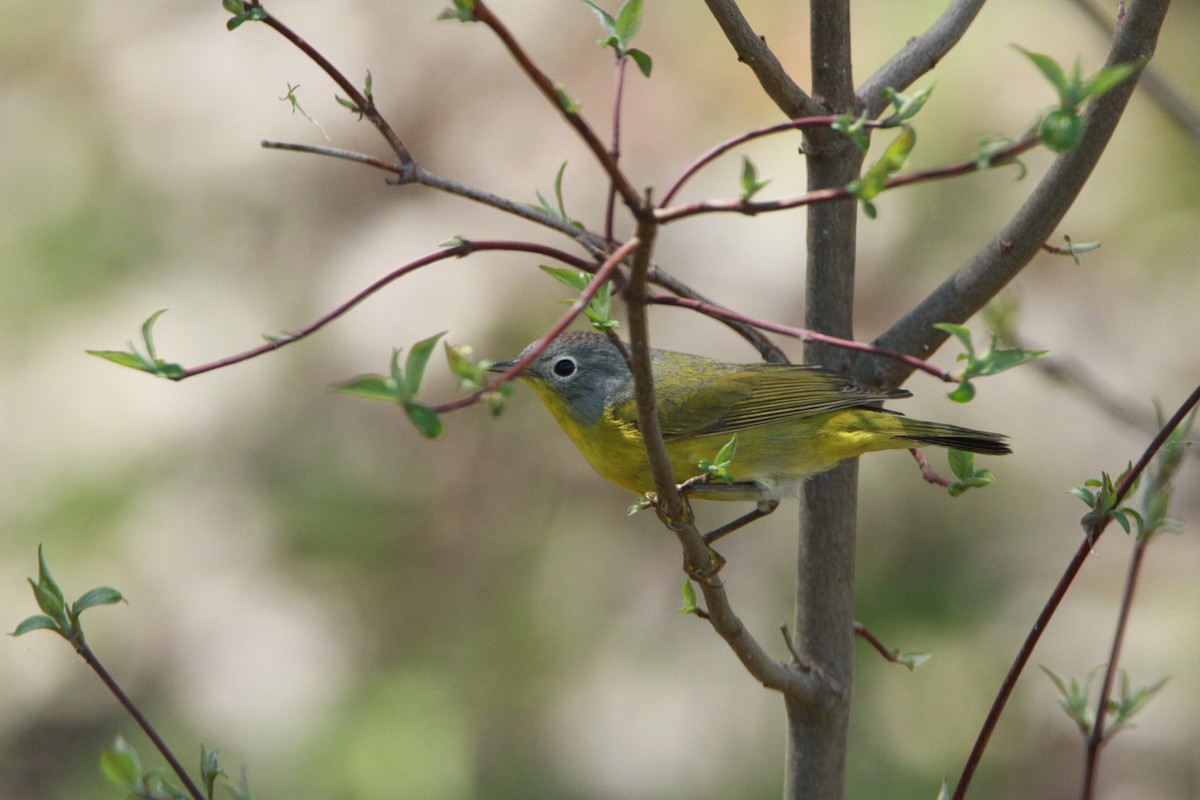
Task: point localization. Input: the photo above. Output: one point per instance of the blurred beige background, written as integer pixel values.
(355, 612)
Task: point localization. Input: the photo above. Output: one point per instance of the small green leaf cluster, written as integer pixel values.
(352, 106)
(1075, 698)
(461, 11)
(962, 464)
(1155, 495)
(751, 185)
(718, 468)
(56, 614)
(241, 12)
(1100, 495)
(620, 30)
(123, 768)
(992, 146)
(150, 362)
(1062, 129)
(473, 375)
(400, 386)
(906, 106)
(874, 180)
(991, 361)
(599, 308)
(557, 211)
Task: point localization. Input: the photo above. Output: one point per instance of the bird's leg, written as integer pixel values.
(765, 506)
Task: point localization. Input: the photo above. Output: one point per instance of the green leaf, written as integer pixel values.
(965, 392)
(146, 363)
(210, 770)
(1085, 495)
(121, 358)
(912, 660)
(571, 278)
(50, 603)
(1108, 78)
(606, 20)
(99, 596)
(751, 185)
(962, 463)
(461, 11)
(907, 106)
(458, 358)
(565, 102)
(689, 596)
(38, 622)
(425, 419)
(1049, 69)
(418, 358)
(46, 580)
(643, 61)
(148, 333)
(629, 20)
(1131, 703)
(874, 180)
(855, 128)
(371, 387)
(121, 766)
(963, 466)
(718, 469)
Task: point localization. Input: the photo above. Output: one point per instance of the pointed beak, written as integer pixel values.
(501, 366)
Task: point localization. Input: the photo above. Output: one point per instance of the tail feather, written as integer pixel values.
(952, 436)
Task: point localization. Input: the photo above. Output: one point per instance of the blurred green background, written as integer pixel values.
(353, 611)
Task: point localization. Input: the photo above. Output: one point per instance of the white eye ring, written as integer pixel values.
(565, 368)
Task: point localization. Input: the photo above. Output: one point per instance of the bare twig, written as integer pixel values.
(1043, 620)
(1096, 737)
(131, 708)
(458, 251)
(628, 193)
(365, 104)
(752, 50)
(828, 195)
(927, 471)
(864, 633)
(718, 150)
(615, 149)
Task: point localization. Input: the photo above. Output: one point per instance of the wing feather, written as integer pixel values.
(741, 396)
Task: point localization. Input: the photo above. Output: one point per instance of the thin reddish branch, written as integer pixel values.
(1096, 737)
(751, 207)
(365, 104)
(864, 633)
(1056, 596)
(803, 334)
(458, 251)
(86, 653)
(629, 194)
(724, 147)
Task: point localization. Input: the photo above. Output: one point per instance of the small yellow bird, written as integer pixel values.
(792, 421)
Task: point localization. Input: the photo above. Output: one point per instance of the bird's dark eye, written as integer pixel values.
(564, 367)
